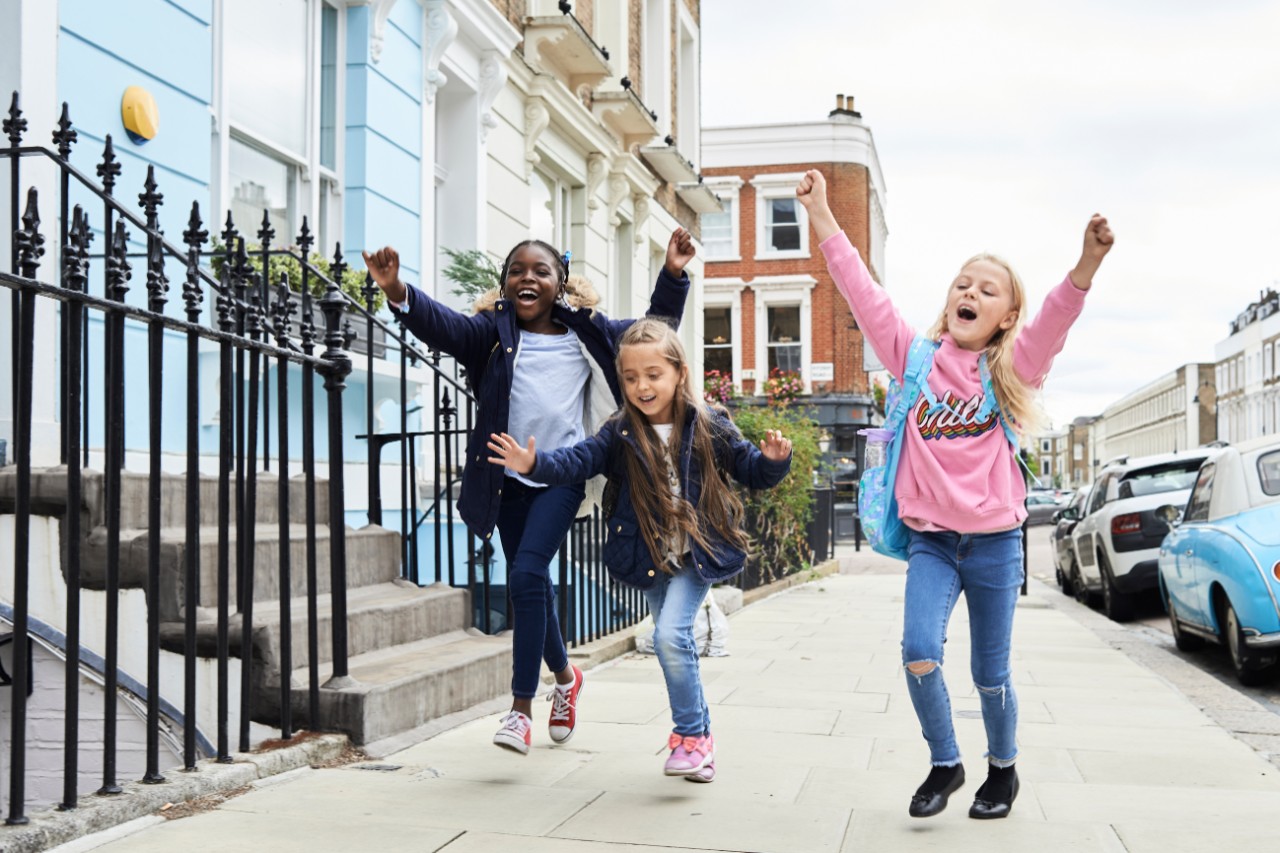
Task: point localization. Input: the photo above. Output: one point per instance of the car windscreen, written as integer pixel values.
(1170, 477)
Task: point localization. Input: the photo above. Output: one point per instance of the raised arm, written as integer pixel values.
(1044, 336)
(889, 335)
(465, 337)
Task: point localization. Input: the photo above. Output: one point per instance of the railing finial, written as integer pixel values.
(266, 233)
(29, 240)
(65, 136)
(305, 240)
(150, 200)
(15, 125)
(282, 311)
(195, 236)
(74, 254)
(109, 169)
(338, 268)
(229, 233)
(118, 269)
(157, 281)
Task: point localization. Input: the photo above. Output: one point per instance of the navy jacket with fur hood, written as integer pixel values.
(625, 554)
(487, 345)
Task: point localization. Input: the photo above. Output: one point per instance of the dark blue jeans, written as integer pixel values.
(532, 523)
(987, 567)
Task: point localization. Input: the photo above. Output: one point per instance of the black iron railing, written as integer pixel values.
(253, 323)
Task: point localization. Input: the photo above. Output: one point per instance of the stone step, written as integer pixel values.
(49, 497)
(400, 688)
(373, 557)
(380, 616)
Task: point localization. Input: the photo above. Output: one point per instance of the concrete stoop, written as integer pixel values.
(412, 656)
(401, 687)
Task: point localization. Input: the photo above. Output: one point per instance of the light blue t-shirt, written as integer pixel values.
(547, 392)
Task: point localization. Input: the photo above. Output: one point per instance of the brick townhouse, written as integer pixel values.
(769, 301)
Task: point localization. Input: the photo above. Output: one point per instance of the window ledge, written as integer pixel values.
(791, 255)
(559, 45)
(623, 113)
(699, 197)
(721, 259)
(670, 165)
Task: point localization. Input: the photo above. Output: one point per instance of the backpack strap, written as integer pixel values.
(915, 381)
(989, 405)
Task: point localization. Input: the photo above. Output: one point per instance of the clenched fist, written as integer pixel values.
(384, 266)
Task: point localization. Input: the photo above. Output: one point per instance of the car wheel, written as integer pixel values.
(1185, 642)
(1079, 588)
(1116, 604)
(1248, 672)
(1066, 577)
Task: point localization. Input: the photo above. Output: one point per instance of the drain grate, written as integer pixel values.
(382, 768)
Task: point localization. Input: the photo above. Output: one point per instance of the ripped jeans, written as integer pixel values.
(988, 568)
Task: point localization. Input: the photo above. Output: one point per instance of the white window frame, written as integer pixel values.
(655, 61)
(768, 188)
(717, 293)
(307, 175)
(729, 189)
(782, 290)
(688, 110)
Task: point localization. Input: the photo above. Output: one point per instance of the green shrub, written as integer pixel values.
(778, 518)
(352, 282)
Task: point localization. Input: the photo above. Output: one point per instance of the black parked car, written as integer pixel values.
(1064, 521)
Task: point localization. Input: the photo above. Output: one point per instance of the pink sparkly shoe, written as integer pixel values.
(706, 774)
(688, 754)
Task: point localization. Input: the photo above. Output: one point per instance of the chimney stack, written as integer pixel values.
(844, 107)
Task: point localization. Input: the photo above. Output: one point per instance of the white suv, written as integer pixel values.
(1118, 538)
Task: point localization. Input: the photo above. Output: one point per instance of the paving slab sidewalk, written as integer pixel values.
(818, 750)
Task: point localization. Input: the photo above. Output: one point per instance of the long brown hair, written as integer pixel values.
(1019, 403)
(662, 515)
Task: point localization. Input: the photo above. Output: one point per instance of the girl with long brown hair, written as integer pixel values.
(672, 542)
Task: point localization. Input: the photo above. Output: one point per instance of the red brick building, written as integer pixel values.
(768, 300)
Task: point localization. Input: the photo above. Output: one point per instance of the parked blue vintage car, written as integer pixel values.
(1220, 562)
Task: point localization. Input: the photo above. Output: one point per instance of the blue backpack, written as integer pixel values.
(877, 503)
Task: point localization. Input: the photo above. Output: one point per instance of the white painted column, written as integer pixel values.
(28, 63)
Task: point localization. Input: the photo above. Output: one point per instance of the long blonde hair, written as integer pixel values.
(1019, 403)
(662, 515)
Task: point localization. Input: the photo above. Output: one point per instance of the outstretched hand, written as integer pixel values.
(774, 447)
(679, 252)
(511, 455)
(1098, 240)
(384, 266)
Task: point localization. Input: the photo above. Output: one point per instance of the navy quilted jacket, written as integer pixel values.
(486, 344)
(625, 554)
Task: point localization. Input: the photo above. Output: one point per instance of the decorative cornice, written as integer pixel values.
(618, 187)
(536, 119)
(597, 168)
(493, 76)
(440, 30)
(379, 11)
(641, 203)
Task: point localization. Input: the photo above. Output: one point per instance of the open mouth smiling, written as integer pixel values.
(966, 312)
(526, 296)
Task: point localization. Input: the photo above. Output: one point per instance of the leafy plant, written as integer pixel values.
(352, 282)
(778, 518)
(878, 392)
(473, 271)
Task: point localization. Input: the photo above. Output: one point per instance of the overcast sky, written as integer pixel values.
(1001, 126)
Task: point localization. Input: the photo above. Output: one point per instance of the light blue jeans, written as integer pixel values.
(988, 568)
(673, 602)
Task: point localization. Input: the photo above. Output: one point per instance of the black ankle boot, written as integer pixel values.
(996, 795)
(931, 797)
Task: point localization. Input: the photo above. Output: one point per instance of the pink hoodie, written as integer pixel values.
(952, 476)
